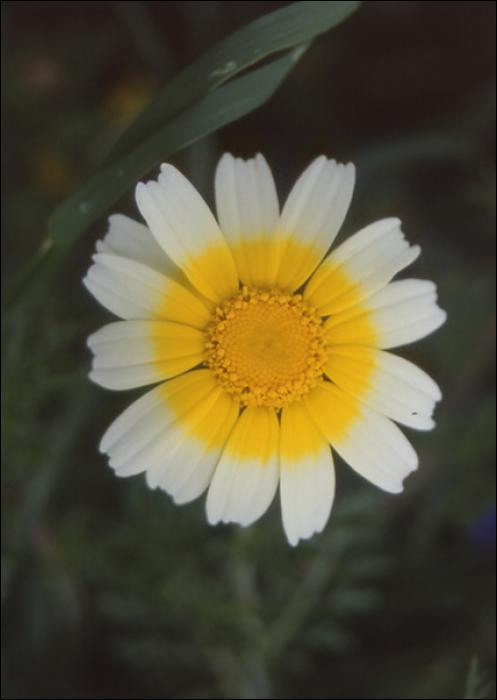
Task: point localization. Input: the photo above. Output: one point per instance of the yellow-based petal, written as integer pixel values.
(135, 353)
(405, 311)
(130, 239)
(248, 213)
(368, 441)
(307, 474)
(194, 445)
(175, 434)
(355, 325)
(185, 228)
(311, 218)
(389, 384)
(400, 313)
(362, 265)
(247, 475)
(134, 291)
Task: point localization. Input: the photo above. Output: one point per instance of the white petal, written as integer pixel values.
(247, 475)
(400, 313)
(311, 218)
(185, 228)
(307, 475)
(136, 435)
(189, 460)
(361, 266)
(369, 442)
(248, 213)
(131, 239)
(129, 428)
(377, 450)
(406, 311)
(175, 434)
(385, 382)
(134, 291)
(135, 353)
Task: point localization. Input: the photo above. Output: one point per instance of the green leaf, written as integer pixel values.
(193, 105)
(276, 31)
(221, 107)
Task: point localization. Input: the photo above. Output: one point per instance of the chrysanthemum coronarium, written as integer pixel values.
(267, 353)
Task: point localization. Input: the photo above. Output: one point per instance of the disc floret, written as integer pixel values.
(266, 347)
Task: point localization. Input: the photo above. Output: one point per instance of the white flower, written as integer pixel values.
(256, 380)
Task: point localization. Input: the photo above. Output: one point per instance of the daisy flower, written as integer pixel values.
(266, 353)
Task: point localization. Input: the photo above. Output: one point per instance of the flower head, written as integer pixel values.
(264, 351)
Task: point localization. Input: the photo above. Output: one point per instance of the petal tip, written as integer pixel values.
(213, 518)
(167, 173)
(141, 194)
(292, 540)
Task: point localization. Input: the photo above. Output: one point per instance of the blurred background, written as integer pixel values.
(108, 589)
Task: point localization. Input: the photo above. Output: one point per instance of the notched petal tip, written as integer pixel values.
(170, 169)
(92, 377)
(415, 252)
(146, 196)
(443, 316)
(90, 341)
(350, 170)
(140, 190)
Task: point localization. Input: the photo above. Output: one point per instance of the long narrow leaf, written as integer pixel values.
(193, 105)
(221, 107)
(276, 31)
(82, 208)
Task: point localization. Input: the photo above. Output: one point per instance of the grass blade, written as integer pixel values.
(276, 31)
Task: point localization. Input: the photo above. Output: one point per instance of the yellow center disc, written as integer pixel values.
(266, 347)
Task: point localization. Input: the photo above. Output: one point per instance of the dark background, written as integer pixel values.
(110, 591)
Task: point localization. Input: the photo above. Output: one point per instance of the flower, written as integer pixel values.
(263, 353)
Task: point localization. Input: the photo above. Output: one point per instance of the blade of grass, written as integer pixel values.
(192, 106)
(82, 208)
(216, 109)
(276, 31)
